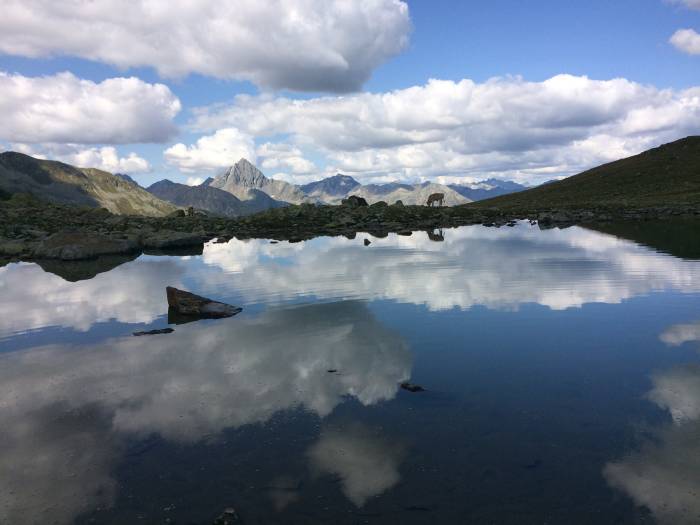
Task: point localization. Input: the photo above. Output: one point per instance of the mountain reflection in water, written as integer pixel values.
(562, 382)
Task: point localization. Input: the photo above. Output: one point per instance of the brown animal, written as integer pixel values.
(435, 197)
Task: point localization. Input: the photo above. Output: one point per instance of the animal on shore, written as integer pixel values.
(435, 197)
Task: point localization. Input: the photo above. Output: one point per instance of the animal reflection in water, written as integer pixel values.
(435, 197)
(436, 235)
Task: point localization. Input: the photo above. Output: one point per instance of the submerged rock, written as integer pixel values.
(155, 332)
(228, 517)
(411, 387)
(194, 306)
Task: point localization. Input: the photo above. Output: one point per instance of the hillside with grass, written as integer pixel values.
(665, 176)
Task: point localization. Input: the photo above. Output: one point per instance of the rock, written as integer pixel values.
(332, 371)
(155, 332)
(411, 387)
(228, 517)
(165, 240)
(399, 203)
(379, 204)
(177, 213)
(353, 201)
(73, 246)
(367, 242)
(189, 304)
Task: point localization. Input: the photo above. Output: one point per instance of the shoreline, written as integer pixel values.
(32, 230)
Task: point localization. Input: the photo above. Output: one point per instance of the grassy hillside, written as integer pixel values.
(66, 184)
(665, 176)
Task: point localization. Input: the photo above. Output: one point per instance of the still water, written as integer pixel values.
(561, 374)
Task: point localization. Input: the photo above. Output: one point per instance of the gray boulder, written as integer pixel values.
(188, 304)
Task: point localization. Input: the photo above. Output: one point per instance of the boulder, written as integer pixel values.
(73, 246)
(177, 213)
(353, 201)
(379, 204)
(164, 240)
(188, 304)
(399, 203)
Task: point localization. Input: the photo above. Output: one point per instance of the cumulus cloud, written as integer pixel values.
(686, 40)
(62, 108)
(285, 157)
(104, 158)
(305, 45)
(366, 462)
(194, 181)
(223, 148)
(507, 126)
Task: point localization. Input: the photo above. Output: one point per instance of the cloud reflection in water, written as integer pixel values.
(66, 409)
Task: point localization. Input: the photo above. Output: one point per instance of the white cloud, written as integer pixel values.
(62, 108)
(223, 148)
(285, 157)
(104, 158)
(692, 4)
(529, 131)
(686, 40)
(306, 45)
(194, 181)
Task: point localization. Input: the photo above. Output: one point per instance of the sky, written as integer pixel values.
(383, 90)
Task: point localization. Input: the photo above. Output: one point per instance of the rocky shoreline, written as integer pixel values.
(32, 230)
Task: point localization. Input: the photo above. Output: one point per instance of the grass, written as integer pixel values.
(665, 176)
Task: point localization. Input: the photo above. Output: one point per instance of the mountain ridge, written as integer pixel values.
(666, 175)
(62, 183)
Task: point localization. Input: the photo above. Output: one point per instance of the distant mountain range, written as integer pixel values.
(241, 189)
(212, 199)
(66, 184)
(253, 191)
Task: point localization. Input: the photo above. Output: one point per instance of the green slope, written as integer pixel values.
(665, 176)
(66, 184)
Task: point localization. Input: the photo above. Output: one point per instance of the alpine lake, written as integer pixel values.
(476, 375)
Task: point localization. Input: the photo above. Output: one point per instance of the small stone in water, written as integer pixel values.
(155, 332)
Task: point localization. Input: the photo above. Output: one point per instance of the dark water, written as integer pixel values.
(561, 370)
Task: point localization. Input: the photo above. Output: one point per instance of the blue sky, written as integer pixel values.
(377, 116)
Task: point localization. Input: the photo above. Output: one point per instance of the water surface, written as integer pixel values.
(561, 372)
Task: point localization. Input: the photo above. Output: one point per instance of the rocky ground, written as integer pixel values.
(35, 230)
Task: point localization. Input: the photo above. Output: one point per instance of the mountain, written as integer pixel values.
(487, 189)
(125, 177)
(211, 199)
(330, 189)
(66, 184)
(243, 177)
(665, 176)
(408, 194)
